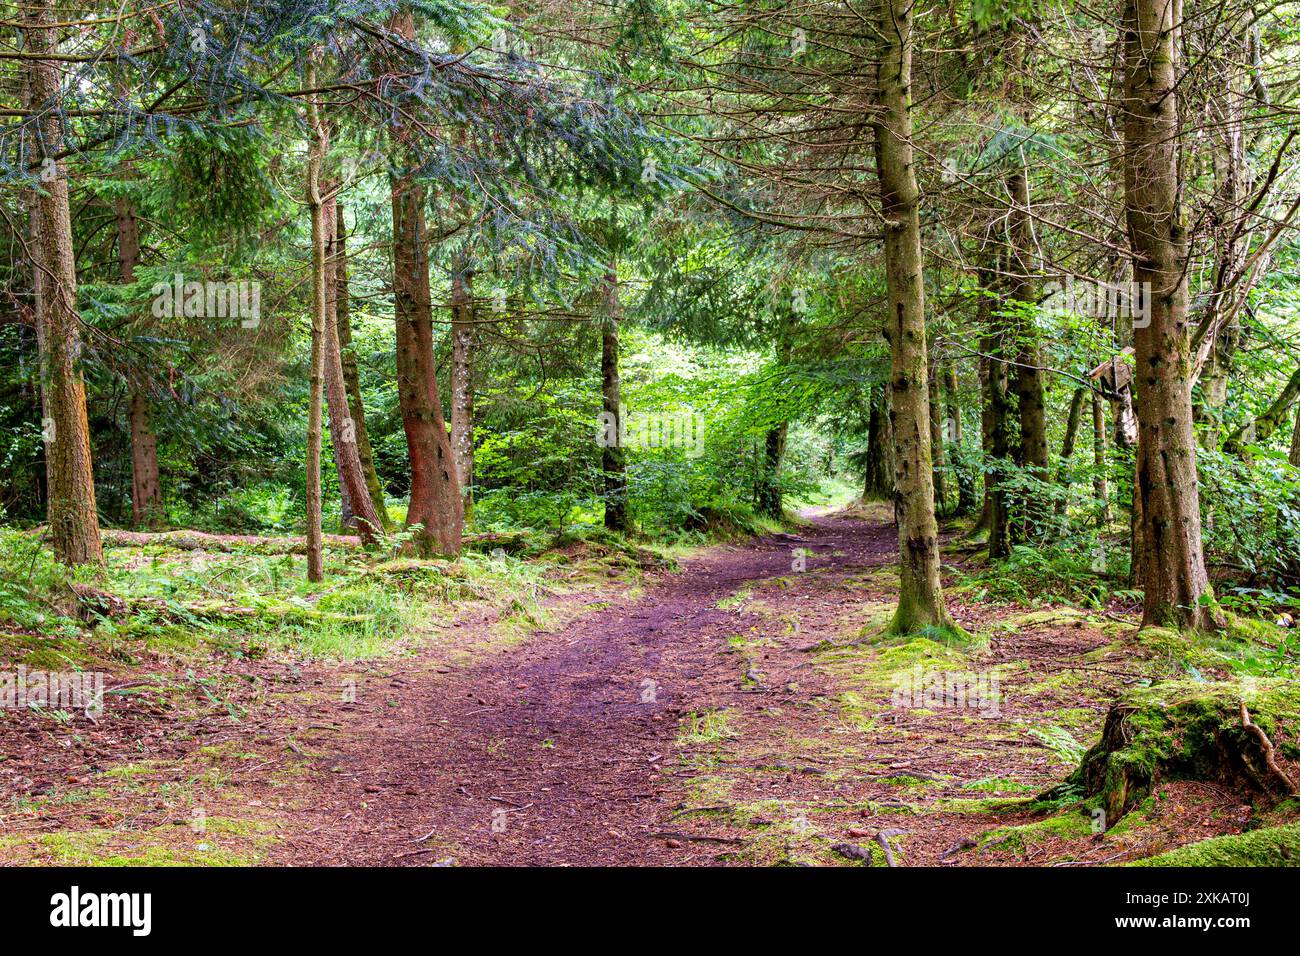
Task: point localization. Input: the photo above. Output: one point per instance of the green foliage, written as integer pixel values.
(1052, 575)
(34, 588)
(213, 183)
(1252, 515)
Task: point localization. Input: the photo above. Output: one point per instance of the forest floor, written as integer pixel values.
(741, 709)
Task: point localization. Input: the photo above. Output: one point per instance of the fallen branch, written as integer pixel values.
(965, 843)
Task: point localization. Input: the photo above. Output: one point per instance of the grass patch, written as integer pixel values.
(709, 727)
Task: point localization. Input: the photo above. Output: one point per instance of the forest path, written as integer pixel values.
(744, 710)
(562, 750)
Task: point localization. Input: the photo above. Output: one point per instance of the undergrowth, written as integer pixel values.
(182, 602)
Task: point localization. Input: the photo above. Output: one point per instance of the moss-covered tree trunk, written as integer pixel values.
(1294, 455)
(1187, 731)
(1072, 424)
(921, 603)
(768, 497)
(73, 518)
(996, 425)
(966, 500)
(1173, 577)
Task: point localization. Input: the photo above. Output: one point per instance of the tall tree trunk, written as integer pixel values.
(612, 458)
(1067, 446)
(38, 320)
(937, 465)
(1288, 526)
(462, 384)
(1294, 455)
(995, 423)
(351, 376)
(1033, 454)
(319, 275)
(1173, 580)
(879, 481)
(435, 489)
(769, 487)
(358, 505)
(1099, 484)
(1228, 95)
(986, 382)
(146, 486)
(347, 519)
(920, 603)
(435, 503)
(961, 469)
(73, 518)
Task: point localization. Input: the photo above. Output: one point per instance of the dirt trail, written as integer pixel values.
(552, 752)
(732, 715)
(741, 710)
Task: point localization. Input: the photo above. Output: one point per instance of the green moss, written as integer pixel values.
(1137, 819)
(1253, 629)
(879, 668)
(908, 781)
(1184, 730)
(225, 842)
(997, 785)
(1275, 846)
(1051, 615)
(982, 805)
(1066, 826)
(737, 599)
(230, 750)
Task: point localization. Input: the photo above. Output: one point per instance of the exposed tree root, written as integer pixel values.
(1270, 756)
(1190, 732)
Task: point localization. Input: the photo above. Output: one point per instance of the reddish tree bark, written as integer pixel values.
(146, 484)
(351, 376)
(436, 504)
(343, 437)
